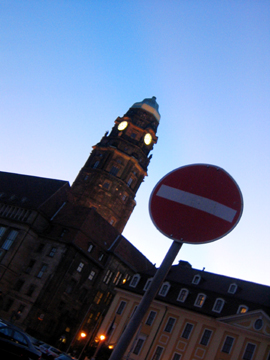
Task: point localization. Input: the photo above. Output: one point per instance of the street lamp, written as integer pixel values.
(101, 340)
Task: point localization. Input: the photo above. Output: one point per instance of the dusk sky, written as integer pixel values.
(68, 69)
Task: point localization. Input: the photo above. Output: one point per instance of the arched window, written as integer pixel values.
(147, 284)
(200, 300)
(135, 280)
(182, 295)
(218, 306)
(242, 309)
(196, 280)
(232, 288)
(164, 289)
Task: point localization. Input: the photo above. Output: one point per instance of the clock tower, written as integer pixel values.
(115, 169)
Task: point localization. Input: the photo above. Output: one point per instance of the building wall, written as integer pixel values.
(174, 342)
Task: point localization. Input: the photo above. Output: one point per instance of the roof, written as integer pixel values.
(149, 105)
(27, 191)
(252, 295)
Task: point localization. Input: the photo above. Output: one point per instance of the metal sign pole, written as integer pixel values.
(148, 297)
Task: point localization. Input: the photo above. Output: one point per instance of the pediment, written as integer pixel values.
(257, 321)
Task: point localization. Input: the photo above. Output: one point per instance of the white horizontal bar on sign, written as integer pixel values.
(198, 202)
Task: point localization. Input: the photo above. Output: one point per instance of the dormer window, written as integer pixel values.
(164, 289)
(242, 309)
(147, 284)
(182, 295)
(196, 280)
(232, 288)
(218, 306)
(135, 280)
(200, 300)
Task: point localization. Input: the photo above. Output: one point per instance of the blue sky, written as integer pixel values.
(69, 68)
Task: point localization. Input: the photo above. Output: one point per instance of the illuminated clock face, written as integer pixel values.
(122, 125)
(147, 139)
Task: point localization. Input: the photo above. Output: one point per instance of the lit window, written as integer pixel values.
(138, 346)
(121, 307)
(117, 278)
(200, 300)
(151, 318)
(249, 351)
(227, 346)
(187, 331)
(242, 309)
(164, 289)
(98, 297)
(134, 281)
(80, 267)
(182, 295)
(206, 337)
(196, 279)
(170, 323)
(232, 289)
(158, 352)
(218, 306)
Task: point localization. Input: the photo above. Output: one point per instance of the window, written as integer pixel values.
(96, 164)
(70, 287)
(176, 356)
(187, 331)
(206, 337)
(107, 277)
(91, 275)
(80, 267)
(232, 289)
(227, 346)
(114, 170)
(138, 346)
(151, 318)
(130, 180)
(100, 256)
(31, 290)
(18, 285)
(147, 284)
(169, 325)
(196, 279)
(52, 252)
(158, 352)
(2, 231)
(242, 309)
(121, 307)
(117, 278)
(164, 289)
(134, 281)
(90, 247)
(249, 351)
(218, 306)
(258, 324)
(106, 185)
(98, 297)
(182, 295)
(9, 239)
(200, 300)
(42, 271)
(30, 266)
(83, 294)
(112, 221)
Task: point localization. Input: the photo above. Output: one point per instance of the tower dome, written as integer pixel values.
(149, 105)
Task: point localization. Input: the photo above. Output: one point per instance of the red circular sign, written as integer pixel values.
(196, 204)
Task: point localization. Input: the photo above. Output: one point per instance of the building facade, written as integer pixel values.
(61, 248)
(195, 315)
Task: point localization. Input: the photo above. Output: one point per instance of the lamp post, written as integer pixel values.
(101, 341)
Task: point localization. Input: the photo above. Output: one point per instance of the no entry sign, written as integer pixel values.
(196, 204)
